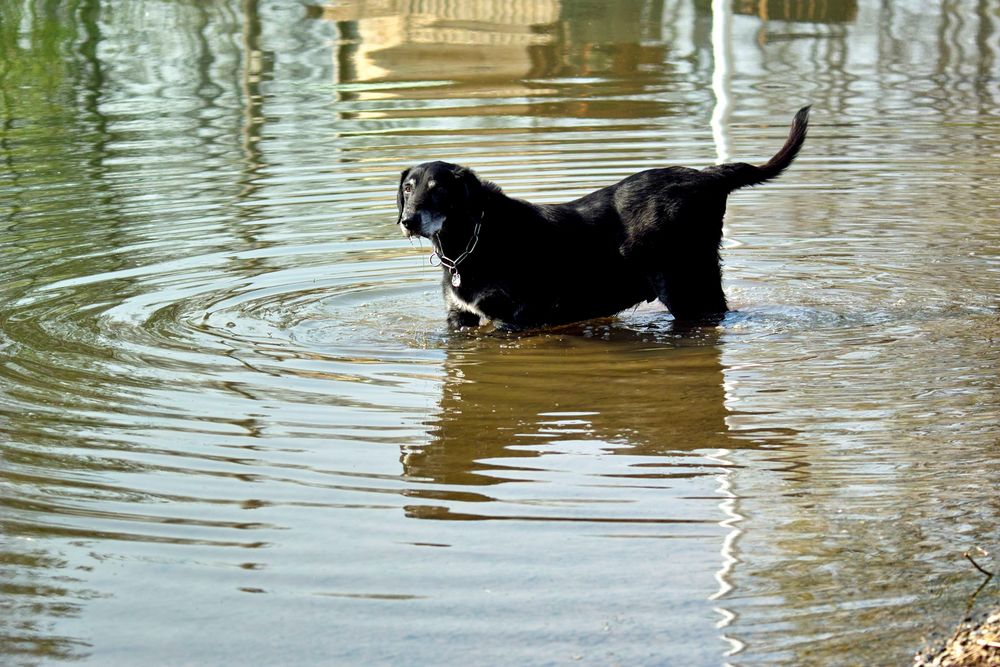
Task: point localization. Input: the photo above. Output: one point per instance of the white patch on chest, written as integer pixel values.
(458, 302)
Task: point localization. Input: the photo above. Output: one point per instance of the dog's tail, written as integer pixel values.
(740, 174)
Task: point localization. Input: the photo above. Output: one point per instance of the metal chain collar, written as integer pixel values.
(440, 259)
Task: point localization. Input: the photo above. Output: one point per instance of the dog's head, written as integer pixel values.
(434, 196)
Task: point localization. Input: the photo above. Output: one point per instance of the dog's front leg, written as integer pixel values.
(506, 313)
(459, 318)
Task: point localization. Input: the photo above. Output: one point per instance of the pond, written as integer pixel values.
(234, 427)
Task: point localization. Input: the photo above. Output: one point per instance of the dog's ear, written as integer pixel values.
(473, 187)
(399, 195)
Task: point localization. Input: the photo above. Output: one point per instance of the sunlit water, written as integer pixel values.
(235, 430)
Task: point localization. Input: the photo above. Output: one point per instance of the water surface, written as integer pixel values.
(233, 426)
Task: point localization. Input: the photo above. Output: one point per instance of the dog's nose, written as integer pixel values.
(412, 223)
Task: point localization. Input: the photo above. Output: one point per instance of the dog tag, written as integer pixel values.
(456, 279)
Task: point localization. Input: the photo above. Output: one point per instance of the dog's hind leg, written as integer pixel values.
(691, 287)
(680, 258)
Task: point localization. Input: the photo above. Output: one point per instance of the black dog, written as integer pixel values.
(655, 234)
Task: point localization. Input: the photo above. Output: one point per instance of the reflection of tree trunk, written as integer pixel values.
(9, 164)
(97, 130)
(93, 82)
(349, 36)
(254, 65)
(250, 76)
(987, 56)
(90, 14)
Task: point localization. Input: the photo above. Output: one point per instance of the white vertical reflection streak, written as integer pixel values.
(728, 550)
(722, 56)
(722, 60)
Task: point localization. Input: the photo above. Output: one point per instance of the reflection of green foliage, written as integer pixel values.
(47, 84)
(39, 64)
(35, 60)
(38, 70)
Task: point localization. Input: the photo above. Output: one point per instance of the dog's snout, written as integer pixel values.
(421, 223)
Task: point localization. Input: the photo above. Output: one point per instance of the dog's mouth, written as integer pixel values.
(424, 223)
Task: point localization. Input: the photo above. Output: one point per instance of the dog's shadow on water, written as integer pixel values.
(642, 391)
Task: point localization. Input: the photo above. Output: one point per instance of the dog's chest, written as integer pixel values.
(456, 301)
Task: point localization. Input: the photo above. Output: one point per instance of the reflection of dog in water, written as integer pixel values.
(649, 398)
(656, 234)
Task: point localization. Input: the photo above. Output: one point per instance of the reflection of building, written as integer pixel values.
(421, 40)
(514, 12)
(424, 39)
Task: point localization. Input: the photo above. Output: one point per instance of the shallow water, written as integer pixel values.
(233, 426)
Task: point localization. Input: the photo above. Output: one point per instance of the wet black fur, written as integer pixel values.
(655, 234)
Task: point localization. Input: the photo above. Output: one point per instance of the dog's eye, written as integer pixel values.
(407, 188)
